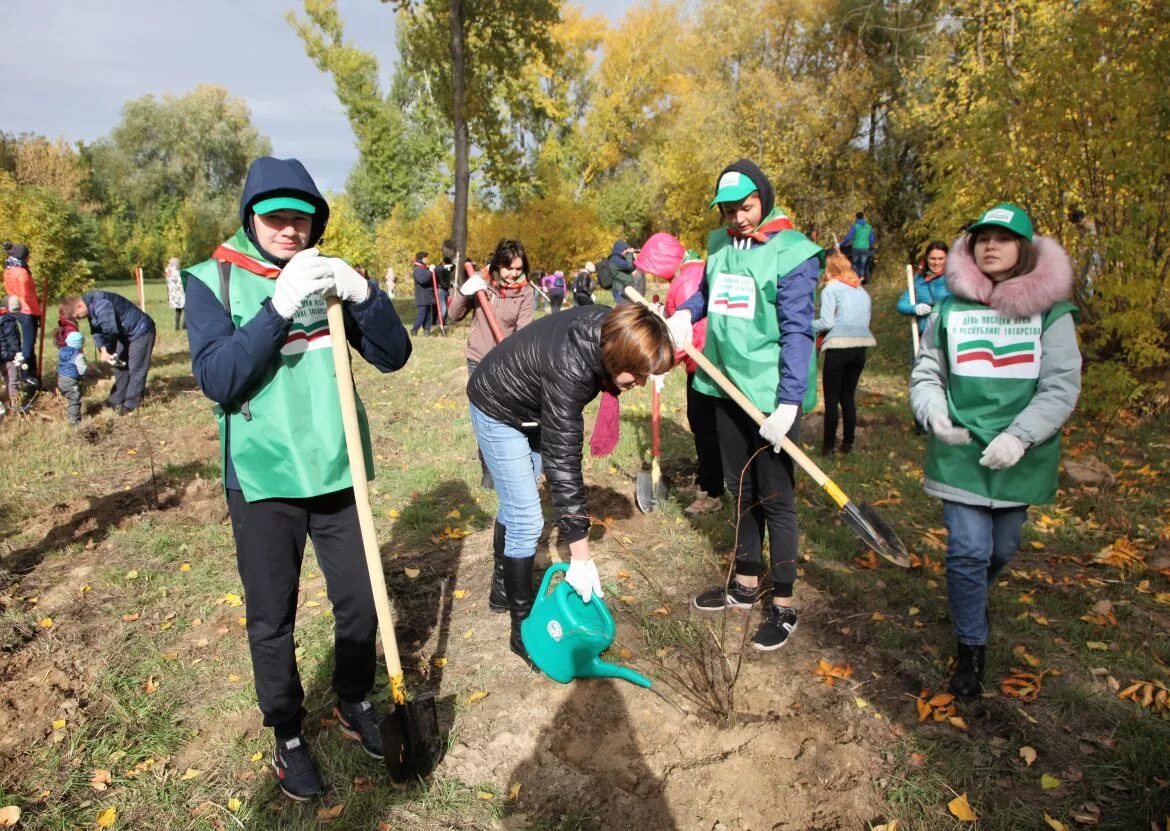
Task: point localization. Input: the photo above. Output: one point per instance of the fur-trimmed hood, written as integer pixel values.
(1022, 296)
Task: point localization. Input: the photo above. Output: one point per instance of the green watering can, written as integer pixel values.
(564, 635)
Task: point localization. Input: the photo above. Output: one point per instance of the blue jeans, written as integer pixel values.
(980, 542)
(515, 469)
(862, 261)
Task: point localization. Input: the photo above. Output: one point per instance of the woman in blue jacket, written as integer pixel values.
(930, 288)
(844, 321)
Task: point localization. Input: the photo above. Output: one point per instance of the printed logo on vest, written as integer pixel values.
(309, 330)
(733, 295)
(985, 344)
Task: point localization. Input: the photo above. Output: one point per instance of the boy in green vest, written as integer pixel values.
(997, 375)
(757, 297)
(261, 349)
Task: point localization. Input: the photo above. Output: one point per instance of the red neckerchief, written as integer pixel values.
(250, 264)
(514, 287)
(766, 231)
(929, 277)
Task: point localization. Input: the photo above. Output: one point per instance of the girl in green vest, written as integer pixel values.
(998, 373)
(757, 298)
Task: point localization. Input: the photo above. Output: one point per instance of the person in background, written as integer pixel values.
(511, 298)
(71, 368)
(176, 296)
(862, 239)
(556, 290)
(444, 277)
(1089, 250)
(844, 322)
(997, 376)
(10, 355)
(124, 336)
(264, 354)
(390, 281)
(583, 285)
(424, 294)
(18, 282)
(758, 300)
(930, 288)
(619, 270)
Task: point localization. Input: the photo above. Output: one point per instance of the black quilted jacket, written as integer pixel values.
(538, 381)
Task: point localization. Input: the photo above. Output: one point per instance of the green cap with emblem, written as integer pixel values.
(283, 203)
(733, 186)
(1005, 215)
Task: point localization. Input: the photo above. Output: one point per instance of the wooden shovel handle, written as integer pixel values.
(798, 455)
(913, 304)
(361, 491)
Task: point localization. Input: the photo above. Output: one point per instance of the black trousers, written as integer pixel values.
(130, 381)
(842, 371)
(270, 545)
(768, 498)
(556, 300)
(423, 318)
(701, 418)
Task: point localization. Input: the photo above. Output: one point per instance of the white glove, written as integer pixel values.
(946, 432)
(582, 576)
(679, 325)
(922, 309)
(18, 358)
(659, 382)
(306, 273)
(347, 283)
(1003, 451)
(472, 285)
(777, 425)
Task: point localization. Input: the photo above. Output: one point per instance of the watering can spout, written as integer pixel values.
(598, 668)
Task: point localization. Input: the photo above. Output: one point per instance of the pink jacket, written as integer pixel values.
(682, 287)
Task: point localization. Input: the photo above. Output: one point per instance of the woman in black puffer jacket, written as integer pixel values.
(527, 398)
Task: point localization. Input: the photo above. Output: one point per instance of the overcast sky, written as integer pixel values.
(66, 68)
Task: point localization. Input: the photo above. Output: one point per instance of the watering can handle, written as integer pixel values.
(548, 575)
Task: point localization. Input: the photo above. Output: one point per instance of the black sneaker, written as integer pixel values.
(295, 769)
(734, 596)
(359, 721)
(774, 632)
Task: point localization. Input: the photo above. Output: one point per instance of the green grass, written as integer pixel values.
(75, 493)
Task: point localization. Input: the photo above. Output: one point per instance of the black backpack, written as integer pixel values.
(605, 274)
(581, 283)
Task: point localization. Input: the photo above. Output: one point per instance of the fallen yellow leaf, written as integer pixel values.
(878, 617)
(100, 779)
(459, 593)
(9, 816)
(392, 513)
(1054, 824)
(961, 808)
(256, 757)
(892, 825)
(479, 695)
(514, 792)
(311, 604)
(59, 724)
(190, 774)
(184, 567)
(1028, 754)
(1048, 781)
(150, 687)
(454, 514)
(485, 795)
(412, 573)
(439, 662)
(233, 599)
(330, 813)
(107, 817)
(46, 623)
(234, 804)
(132, 574)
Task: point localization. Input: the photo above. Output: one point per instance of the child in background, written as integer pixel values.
(758, 301)
(10, 355)
(71, 366)
(998, 373)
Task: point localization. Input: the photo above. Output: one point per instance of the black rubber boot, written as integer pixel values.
(498, 597)
(518, 583)
(967, 678)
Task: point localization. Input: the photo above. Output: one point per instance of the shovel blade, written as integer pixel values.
(876, 533)
(658, 483)
(644, 492)
(412, 740)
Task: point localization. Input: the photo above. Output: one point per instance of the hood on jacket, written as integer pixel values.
(763, 184)
(1022, 296)
(269, 177)
(16, 251)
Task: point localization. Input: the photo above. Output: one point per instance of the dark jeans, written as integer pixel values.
(441, 309)
(556, 300)
(270, 545)
(842, 372)
(701, 418)
(768, 499)
(862, 262)
(28, 343)
(130, 381)
(422, 318)
(71, 389)
(980, 542)
(179, 322)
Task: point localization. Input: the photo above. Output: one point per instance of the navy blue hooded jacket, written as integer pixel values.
(229, 362)
(114, 320)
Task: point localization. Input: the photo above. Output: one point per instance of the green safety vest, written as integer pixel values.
(863, 237)
(993, 363)
(290, 442)
(743, 335)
